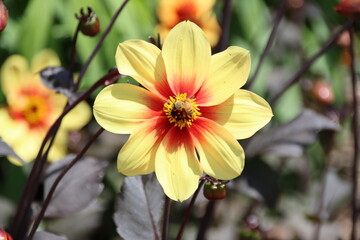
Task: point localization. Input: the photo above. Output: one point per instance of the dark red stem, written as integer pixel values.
(57, 181)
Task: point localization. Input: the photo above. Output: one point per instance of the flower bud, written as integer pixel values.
(322, 92)
(344, 39)
(214, 191)
(3, 16)
(89, 23)
(4, 235)
(349, 9)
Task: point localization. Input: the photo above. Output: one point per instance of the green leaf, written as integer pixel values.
(36, 26)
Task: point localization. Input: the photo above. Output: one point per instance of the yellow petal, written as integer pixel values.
(228, 72)
(204, 6)
(243, 114)
(212, 29)
(77, 118)
(187, 57)
(27, 147)
(142, 61)
(16, 134)
(14, 130)
(176, 166)
(59, 148)
(44, 59)
(119, 108)
(14, 70)
(221, 156)
(137, 156)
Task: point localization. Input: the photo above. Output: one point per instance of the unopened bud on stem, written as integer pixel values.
(89, 23)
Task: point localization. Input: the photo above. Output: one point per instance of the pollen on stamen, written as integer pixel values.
(181, 111)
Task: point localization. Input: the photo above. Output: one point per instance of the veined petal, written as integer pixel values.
(243, 114)
(229, 71)
(187, 57)
(177, 168)
(221, 156)
(141, 60)
(45, 58)
(137, 156)
(13, 72)
(120, 107)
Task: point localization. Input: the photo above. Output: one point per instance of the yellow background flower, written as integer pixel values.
(192, 101)
(32, 108)
(172, 12)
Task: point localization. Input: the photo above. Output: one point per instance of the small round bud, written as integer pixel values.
(4, 235)
(295, 4)
(89, 23)
(322, 92)
(344, 39)
(3, 16)
(214, 191)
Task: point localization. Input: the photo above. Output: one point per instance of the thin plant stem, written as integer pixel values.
(166, 217)
(73, 49)
(57, 181)
(36, 171)
(309, 62)
(320, 207)
(188, 210)
(26, 225)
(99, 44)
(20, 225)
(356, 136)
(206, 220)
(225, 26)
(277, 20)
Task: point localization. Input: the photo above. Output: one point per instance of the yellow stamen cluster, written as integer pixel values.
(181, 110)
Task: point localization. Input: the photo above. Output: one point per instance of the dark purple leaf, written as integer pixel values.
(139, 208)
(42, 235)
(259, 181)
(78, 189)
(81, 225)
(6, 150)
(337, 193)
(289, 139)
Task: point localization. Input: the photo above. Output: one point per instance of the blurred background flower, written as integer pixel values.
(31, 108)
(171, 12)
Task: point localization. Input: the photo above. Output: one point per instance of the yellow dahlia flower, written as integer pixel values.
(32, 108)
(172, 12)
(186, 119)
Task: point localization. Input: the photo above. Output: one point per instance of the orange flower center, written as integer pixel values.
(181, 111)
(33, 108)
